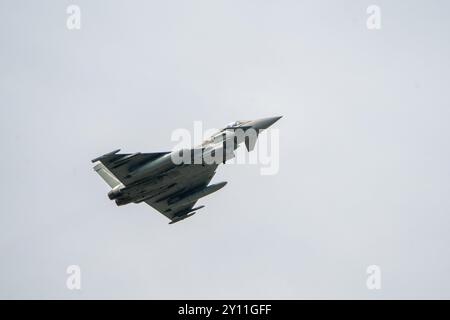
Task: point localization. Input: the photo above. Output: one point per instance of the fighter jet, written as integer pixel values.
(172, 182)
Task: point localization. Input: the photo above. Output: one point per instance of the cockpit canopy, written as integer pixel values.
(234, 124)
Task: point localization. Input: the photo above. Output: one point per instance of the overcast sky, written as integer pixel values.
(364, 176)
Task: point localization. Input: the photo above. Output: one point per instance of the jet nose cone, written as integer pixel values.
(264, 123)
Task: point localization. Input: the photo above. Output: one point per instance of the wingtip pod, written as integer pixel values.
(106, 154)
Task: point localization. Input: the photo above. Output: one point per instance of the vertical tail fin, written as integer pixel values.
(106, 175)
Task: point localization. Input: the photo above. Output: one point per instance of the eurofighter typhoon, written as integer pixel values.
(172, 182)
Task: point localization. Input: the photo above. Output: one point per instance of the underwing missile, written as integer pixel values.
(158, 165)
(178, 202)
(175, 220)
(123, 160)
(185, 215)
